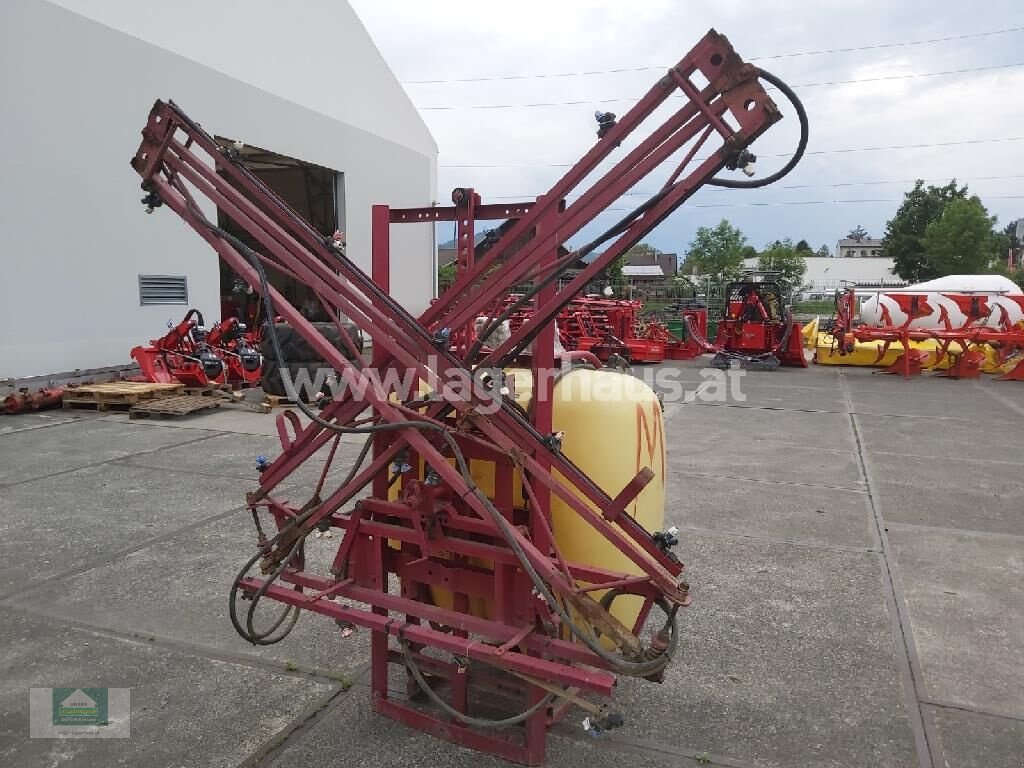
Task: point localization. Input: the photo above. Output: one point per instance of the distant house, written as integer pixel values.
(643, 274)
(858, 249)
(667, 263)
(649, 268)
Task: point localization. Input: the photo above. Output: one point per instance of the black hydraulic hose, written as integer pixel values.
(250, 617)
(801, 146)
(788, 320)
(262, 638)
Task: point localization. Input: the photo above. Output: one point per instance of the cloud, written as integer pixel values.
(443, 40)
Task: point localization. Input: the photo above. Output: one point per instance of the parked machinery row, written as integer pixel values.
(189, 353)
(613, 328)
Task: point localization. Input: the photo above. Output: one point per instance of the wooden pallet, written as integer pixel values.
(237, 397)
(208, 390)
(276, 401)
(171, 407)
(117, 394)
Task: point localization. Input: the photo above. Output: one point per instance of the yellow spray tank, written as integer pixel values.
(613, 427)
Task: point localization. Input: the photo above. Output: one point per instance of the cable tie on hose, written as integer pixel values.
(471, 489)
(401, 632)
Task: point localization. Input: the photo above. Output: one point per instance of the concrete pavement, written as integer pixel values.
(854, 545)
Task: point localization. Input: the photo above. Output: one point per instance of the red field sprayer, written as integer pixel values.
(507, 562)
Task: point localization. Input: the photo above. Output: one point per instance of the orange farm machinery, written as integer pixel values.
(24, 400)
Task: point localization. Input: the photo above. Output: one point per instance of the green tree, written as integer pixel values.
(803, 246)
(961, 240)
(1007, 241)
(858, 233)
(903, 241)
(824, 252)
(716, 251)
(783, 257)
(446, 274)
(614, 273)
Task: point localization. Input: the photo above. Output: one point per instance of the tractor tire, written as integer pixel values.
(270, 377)
(294, 348)
(273, 383)
(299, 356)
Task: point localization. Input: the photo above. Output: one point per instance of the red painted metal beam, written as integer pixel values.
(597, 681)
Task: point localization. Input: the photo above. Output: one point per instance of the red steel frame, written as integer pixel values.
(439, 531)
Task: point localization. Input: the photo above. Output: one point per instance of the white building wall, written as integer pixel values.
(74, 237)
(825, 274)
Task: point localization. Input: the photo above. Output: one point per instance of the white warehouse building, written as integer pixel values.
(86, 275)
(825, 275)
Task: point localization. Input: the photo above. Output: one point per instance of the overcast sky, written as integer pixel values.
(453, 41)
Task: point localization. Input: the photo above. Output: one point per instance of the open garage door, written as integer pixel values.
(316, 193)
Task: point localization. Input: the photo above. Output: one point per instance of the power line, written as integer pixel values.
(781, 203)
(838, 184)
(825, 202)
(579, 102)
(907, 77)
(875, 47)
(784, 154)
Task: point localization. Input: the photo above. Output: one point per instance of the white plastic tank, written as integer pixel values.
(997, 288)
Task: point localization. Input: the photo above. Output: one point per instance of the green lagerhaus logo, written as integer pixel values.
(80, 706)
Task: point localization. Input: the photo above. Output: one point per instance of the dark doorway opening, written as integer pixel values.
(314, 192)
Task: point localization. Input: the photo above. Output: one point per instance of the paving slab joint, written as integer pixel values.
(929, 749)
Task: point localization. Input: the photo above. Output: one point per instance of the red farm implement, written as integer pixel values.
(190, 354)
(468, 561)
(755, 330)
(26, 400)
(610, 328)
(962, 344)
